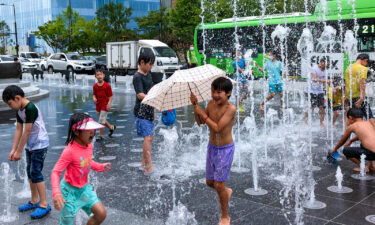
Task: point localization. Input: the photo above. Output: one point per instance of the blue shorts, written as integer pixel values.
(219, 161)
(144, 127)
(34, 164)
(277, 87)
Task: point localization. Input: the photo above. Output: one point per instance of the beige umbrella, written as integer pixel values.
(174, 92)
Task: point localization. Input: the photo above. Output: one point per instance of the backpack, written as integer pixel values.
(168, 117)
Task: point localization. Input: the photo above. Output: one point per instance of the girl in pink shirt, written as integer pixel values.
(73, 193)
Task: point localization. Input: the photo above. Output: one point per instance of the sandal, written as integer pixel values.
(28, 206)
(112, 130)
(40, 212)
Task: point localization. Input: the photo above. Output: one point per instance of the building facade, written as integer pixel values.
(32, 13)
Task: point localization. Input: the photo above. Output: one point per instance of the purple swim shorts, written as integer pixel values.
(219, 161)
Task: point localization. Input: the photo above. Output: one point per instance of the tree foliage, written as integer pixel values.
(156, 25)
(72, 32)
(53, 33)
(4, 36)
(112, 19)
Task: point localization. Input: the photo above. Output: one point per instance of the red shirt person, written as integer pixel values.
(102, 92)
(102, 97)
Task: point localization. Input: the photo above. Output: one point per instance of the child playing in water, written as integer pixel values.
(102, 97)
(30, 132)
(142, 82)
(335, 99)
(274, 69)
(219, 117)
(73, 193)
(365, 133)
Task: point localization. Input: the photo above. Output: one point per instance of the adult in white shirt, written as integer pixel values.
(318, 79)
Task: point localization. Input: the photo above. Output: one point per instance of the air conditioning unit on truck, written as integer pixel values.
(122, 57)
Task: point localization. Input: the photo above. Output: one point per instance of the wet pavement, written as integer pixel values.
(133, 198)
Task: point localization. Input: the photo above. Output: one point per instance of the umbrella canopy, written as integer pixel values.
(174, 92)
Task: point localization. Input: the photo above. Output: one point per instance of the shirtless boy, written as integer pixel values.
(219, 117)
(365, 133)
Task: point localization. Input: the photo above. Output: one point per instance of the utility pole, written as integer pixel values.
(70, 22)
(15, 29)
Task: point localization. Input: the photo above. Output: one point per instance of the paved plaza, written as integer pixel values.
(132, 198)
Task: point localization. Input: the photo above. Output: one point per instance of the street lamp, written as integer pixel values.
(15, 24)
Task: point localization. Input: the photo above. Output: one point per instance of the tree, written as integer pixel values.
(4, 35)
(184, 18)
(112, 19)
(71, 20)
(53, 33)
(156, 25)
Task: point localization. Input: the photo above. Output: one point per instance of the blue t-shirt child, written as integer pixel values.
(240, 63)
(274, 70)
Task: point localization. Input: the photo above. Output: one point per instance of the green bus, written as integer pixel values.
(255, 33)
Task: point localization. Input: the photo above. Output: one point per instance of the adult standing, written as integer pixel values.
(318, 80)
(355, 86)
(191, 57)
(142, 82)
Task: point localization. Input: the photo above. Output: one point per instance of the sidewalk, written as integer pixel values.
(114, 216)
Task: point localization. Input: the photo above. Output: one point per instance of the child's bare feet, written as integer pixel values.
(148, 170)
(322, 125)
(224, 221)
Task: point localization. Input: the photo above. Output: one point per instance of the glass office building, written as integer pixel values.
(32, 13)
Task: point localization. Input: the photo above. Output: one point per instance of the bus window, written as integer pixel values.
(366, 44)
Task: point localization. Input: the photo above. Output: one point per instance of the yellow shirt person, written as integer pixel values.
(353, 76)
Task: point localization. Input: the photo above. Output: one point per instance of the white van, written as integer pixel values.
(123, 56)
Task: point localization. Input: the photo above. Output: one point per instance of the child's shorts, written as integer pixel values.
(102, 117)
(34, 164)
(76, 198)
(276, 87)
(144, 127)
(219, 161)
(356, 152)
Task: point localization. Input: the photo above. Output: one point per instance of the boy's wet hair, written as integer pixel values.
(11, 92)
(363, 56)
(355, 113)
(146, 58)
(323, 59)
(75, 118)
(99, 71)
(275, 54)
(222, 84)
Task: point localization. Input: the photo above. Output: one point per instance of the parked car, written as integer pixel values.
(99, 60)
(9, 68)
(6, 58)
(43, 63)
(31, 56)
(27, 65)
(73, 62)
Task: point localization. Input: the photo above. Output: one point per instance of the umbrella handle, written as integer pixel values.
(197, 90)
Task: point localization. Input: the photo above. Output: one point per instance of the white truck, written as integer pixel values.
(122, 57)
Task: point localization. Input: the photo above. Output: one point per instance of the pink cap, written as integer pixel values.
(87, 124)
